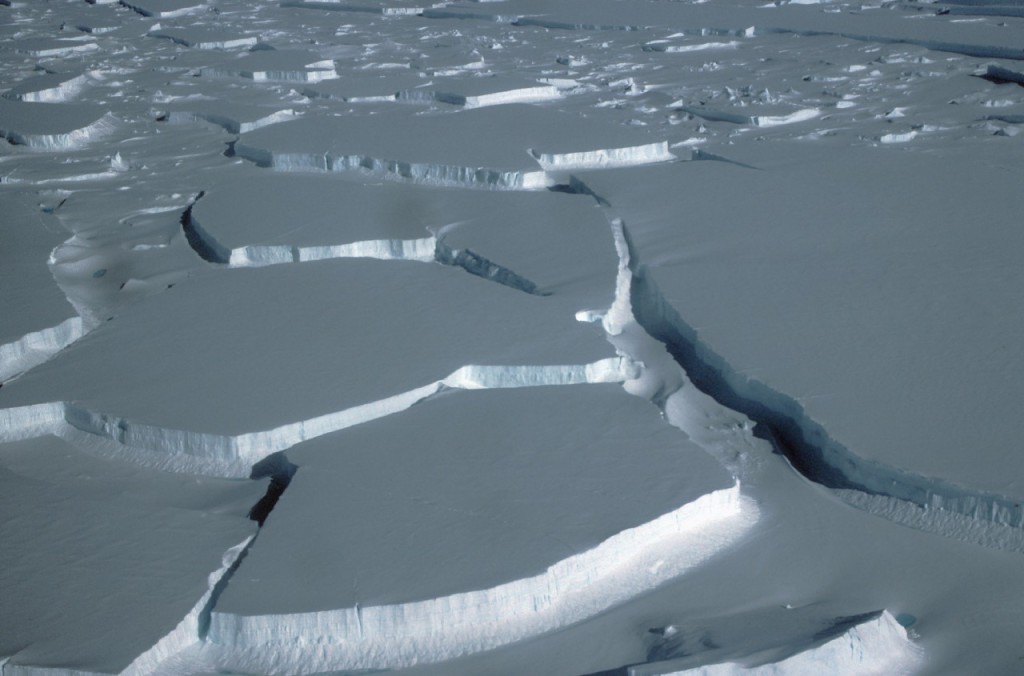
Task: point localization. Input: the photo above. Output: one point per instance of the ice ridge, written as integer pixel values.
(233, 456)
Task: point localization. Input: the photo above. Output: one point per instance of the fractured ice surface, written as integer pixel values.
(466, 567)
(96, 541)
(459, 148)
(274, 66)
(53, 126)
(56, 47)
(166, 9)
(905, 297)
(477, 92)
(367, 87)
(245, 322)
(253, 223)
(234, 117)
(205, 38)
(48, 88)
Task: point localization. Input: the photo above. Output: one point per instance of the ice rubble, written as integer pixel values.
(877, 646)
(419, 148)
(63, 126)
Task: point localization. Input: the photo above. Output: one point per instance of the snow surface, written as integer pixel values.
(743, 278)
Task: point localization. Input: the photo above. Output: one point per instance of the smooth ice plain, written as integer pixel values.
(524, 336)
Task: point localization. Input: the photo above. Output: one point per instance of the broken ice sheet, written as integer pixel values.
(244, 351)
(457, 148)
(53, 126)
(559, 242)
(88, 542)
(422, 518)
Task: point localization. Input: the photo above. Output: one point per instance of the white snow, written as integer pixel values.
(877, 646)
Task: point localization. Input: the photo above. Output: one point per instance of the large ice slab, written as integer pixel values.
(234, 116)
(284, 65)
(88, 542)
(273, 354)
(460, 148)
(878, 645)
(252, 223)
(477, 92)
(367, 87)
(447, 557)
(861, 286)
(167, 9)
(48, 88)
(201, 37)
(53, 126)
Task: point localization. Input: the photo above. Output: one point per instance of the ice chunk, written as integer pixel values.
(234, 117)
(166, 9)
(304, 369)
(876, 646)
(458, 148)
(252, 222)
(477, 92)
(94, 541)
(48, 88)
(53, 126)
(466, 567)
(275, 66)
(199, 37)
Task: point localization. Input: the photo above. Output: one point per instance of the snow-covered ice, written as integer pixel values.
(522, 336)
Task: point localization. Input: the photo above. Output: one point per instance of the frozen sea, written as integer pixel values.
(571, 337)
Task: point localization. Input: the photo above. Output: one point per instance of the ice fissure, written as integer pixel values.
(777, 422)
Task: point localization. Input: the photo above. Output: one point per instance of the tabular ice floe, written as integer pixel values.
(520, 238)
(224, 401)
(167, 9)
(205, 38)
(234, 117)
(48, 88)
(478, 92)
(459, 149)
(52, 126)
(93, 518)
(285, 65)
(466, 569)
